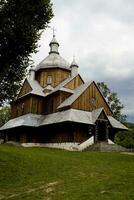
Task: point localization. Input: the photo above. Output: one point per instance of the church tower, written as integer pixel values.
(53, 69)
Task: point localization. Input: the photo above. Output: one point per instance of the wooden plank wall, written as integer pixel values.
(77, 81)
(21, 107)
(25, 89)
(58, 75)
(84, 102)
(52, 102)
(27, 104)
(37, 104)
(67, 132)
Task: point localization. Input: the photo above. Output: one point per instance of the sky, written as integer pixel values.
(100, 33)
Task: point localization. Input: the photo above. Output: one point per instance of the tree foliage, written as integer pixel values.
(113, 101)
(21, 24)
(4, 115)
(125, 139)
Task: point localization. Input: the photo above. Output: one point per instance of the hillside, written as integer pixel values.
(130, 125)
(46, 174)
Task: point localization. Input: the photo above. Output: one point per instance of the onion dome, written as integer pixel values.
(74, 64)
(54, 45)
(32, 73)
(74, 67)
(53, 60)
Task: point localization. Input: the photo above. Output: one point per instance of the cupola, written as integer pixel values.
(53, 60)
(74, 67)
(32, 73)
(54, 45)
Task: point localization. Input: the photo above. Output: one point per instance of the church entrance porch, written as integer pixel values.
(101, 131)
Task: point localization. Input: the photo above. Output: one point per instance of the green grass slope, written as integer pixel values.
(47, 174)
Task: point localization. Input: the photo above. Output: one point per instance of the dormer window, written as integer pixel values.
(49, 80)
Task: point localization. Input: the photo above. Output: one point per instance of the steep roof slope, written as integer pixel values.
(83, 98)
(77, 92)
(116, 124)
(62, 85)
(35, 88)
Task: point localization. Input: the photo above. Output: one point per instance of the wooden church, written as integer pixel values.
(56, 106)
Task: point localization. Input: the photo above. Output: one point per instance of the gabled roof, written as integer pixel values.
(103, 97)
(77, 92)
(63, 83)
(96, 113)
(36, 88)
(116, 124)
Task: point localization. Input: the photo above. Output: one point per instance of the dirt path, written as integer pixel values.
(47, 189)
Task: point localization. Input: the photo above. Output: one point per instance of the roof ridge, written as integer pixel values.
(96, 113)
(38, 90)
(103, 96)
(62, 84)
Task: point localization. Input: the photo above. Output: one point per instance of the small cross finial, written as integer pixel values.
(73, 57)
(53, 29)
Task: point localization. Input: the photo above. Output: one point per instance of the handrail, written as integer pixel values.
(86, 144)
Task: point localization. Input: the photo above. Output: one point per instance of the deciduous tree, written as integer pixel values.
(113, 101)
(4, 115)
(21, 24)
(126, 139)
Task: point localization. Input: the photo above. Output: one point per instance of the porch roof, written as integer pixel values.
(116, 124)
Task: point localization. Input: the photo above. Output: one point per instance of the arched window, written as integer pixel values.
(49, 80)
(22, 107)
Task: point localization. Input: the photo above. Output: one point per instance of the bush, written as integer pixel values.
(125, 139)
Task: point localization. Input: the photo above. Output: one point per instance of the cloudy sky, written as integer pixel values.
(100, 33)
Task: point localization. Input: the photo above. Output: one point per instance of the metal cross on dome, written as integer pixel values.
(54, 29)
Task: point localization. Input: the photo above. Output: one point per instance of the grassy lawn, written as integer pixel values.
(47, 174)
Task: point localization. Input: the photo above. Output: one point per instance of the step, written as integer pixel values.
(105, 147)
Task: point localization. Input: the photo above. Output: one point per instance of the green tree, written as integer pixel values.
(113, 101)
(4, 115)
(21, 25)
(125, 139)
